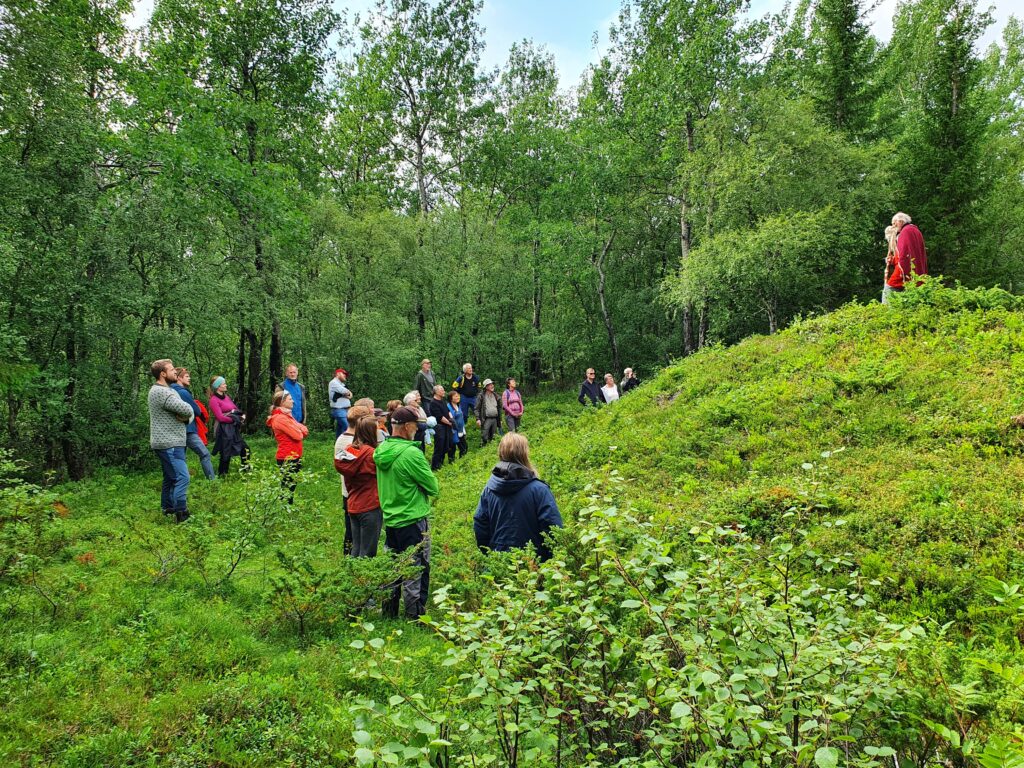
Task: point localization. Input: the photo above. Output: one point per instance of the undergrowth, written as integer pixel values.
(876, 443)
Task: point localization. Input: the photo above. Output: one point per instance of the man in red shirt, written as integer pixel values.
(910, 259)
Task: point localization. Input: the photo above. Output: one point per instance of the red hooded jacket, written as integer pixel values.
(357, 466)
(911, 257)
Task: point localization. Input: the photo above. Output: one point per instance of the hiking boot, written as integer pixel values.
(181, 515)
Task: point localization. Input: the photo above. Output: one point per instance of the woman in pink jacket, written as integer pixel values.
(229, 419)
(512, 405)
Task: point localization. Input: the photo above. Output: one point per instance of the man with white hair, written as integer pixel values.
(468, 387)
(910, 259)
(629, 381)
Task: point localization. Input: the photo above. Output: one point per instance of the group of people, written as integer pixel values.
(380, 454)
(591, 393)
(387, 483)
(177, 420)
(475, 398)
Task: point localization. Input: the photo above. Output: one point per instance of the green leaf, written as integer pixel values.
(425, 727)
(362, 738)
(826, 757)
(709, 677)
(363, 756)
(880, 751)
(681, 710)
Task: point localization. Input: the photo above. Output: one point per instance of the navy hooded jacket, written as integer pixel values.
(185, 395)
(515, 508)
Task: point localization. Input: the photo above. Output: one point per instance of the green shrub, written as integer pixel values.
(32, 536)
(306, 595)
(629, 649)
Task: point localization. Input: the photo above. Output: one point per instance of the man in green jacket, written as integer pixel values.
(405, 485)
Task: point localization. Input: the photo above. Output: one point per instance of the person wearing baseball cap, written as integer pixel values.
(340, 400)
(488, 412)
(404, 487)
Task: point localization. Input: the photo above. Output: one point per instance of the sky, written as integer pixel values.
(567, 28)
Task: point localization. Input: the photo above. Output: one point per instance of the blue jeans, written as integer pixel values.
(466, 405)
(888, 291)
(174, 492)
(340, 416)
(194, 444)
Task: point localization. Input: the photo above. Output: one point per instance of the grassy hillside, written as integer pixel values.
(864, 459)
(898, 421)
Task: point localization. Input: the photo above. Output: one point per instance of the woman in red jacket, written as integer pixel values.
(289, 435)
(360, 472)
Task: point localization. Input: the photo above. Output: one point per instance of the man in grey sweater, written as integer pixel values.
(168, 417)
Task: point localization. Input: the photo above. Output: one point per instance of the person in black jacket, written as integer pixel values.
(438, 408)
(590, 389)
(516, 507)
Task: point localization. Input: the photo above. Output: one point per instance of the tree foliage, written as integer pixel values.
(241, 185)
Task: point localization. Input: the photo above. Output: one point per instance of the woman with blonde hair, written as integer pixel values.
(516, 507)
(891, 259)
(289, 435)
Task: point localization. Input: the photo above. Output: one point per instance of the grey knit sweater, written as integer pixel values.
(165, 429)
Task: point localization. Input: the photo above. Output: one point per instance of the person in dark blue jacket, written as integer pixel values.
(516, 507)
(192, 440)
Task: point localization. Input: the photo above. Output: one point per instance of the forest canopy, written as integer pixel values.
(238, 185)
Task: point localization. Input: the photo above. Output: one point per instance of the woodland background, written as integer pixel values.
(241, 184)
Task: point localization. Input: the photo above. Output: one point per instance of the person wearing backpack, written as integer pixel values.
(195, 432)
(512, 405)
(468, 387)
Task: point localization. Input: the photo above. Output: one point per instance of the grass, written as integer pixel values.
(893, 420)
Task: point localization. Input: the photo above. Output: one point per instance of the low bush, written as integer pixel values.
(631, 648)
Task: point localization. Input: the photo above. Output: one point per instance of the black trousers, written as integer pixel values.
(416, 589)
(442, 445)
(346, 547)
(225, 461)
(462, 447)
(289, 469)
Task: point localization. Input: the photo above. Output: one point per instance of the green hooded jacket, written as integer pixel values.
(404, 482)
